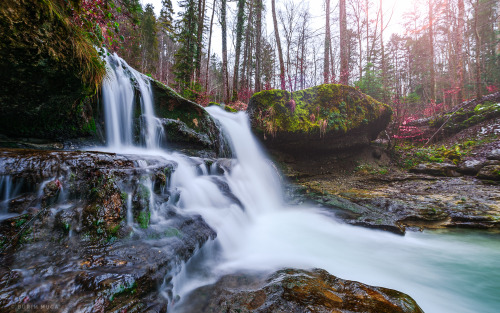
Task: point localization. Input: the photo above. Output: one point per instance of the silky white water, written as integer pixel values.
(443, 273)
(119, 105)
(257, 231)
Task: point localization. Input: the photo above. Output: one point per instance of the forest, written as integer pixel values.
(445, 52)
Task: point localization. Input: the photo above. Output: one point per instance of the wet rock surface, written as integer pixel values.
(436, 169)
(401, 201)
(73, 247)
(292, 290)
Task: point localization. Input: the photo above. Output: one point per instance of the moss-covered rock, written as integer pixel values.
(49, 72)
(187, 124)
(490, 172)
(322, 118)
(466, 117)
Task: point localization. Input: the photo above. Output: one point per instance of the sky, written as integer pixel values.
(316, 8)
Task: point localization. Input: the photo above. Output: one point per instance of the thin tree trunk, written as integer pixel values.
(199, 38)
(326, 64)
(258, 51)
(210, 43)
(384, 68)
(239, 38)
(478, 51)
(278, 44)
(225, 80)
(344, 57)
(431, 50)
(246, 48)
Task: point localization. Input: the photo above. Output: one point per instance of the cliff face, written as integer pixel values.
(48, 72)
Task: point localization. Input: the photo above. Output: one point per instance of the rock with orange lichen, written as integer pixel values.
(293, 290)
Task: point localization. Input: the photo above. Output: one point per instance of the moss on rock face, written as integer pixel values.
(49, 72)
(327, 111)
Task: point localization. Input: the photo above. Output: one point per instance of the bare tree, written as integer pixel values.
(344, 45)
(431, 51)
(326, 64)
(278, 44)
(225, 79)
(239, 38)
(258, 39)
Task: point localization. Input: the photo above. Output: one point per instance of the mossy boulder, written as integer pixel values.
(49, 72)
(323, 118)
(187, 124)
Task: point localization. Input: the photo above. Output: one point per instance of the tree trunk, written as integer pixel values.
(239, 38)
(326, 64)
(344, 45)
(384, 68)
(199, 38)
(478, 51)
(258, 52)
(210, 43)
(246, 48)
(278, 44)
(431, 50)
(225, 80)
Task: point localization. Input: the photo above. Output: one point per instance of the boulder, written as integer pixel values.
(187, 124)
(436, 169)
(470, 167)
(494, 155)
(324, 118)
(293, 290)
(490, 172)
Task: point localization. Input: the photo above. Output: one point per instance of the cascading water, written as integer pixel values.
(264, 234)
(257, 231)
(119, 104)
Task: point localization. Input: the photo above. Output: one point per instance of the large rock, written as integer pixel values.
(436, 169)
(490, 172)
(187, 124)
(292, 290)
(323, 118)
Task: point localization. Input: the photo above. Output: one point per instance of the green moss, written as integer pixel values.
(172, 232)
(123, 290)
(124, 196)
(54, 72)
(340, 108)
(463, 118)
(143, 192)
(230, 109)
(143, 219)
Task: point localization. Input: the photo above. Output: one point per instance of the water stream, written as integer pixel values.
(258, 231)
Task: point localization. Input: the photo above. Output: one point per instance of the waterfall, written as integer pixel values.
(119, 106)
(242, 200)
(259, 232)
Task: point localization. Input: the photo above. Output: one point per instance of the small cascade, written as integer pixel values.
(130, 216)
(9, 189)
(5, 192)
(119, 107)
